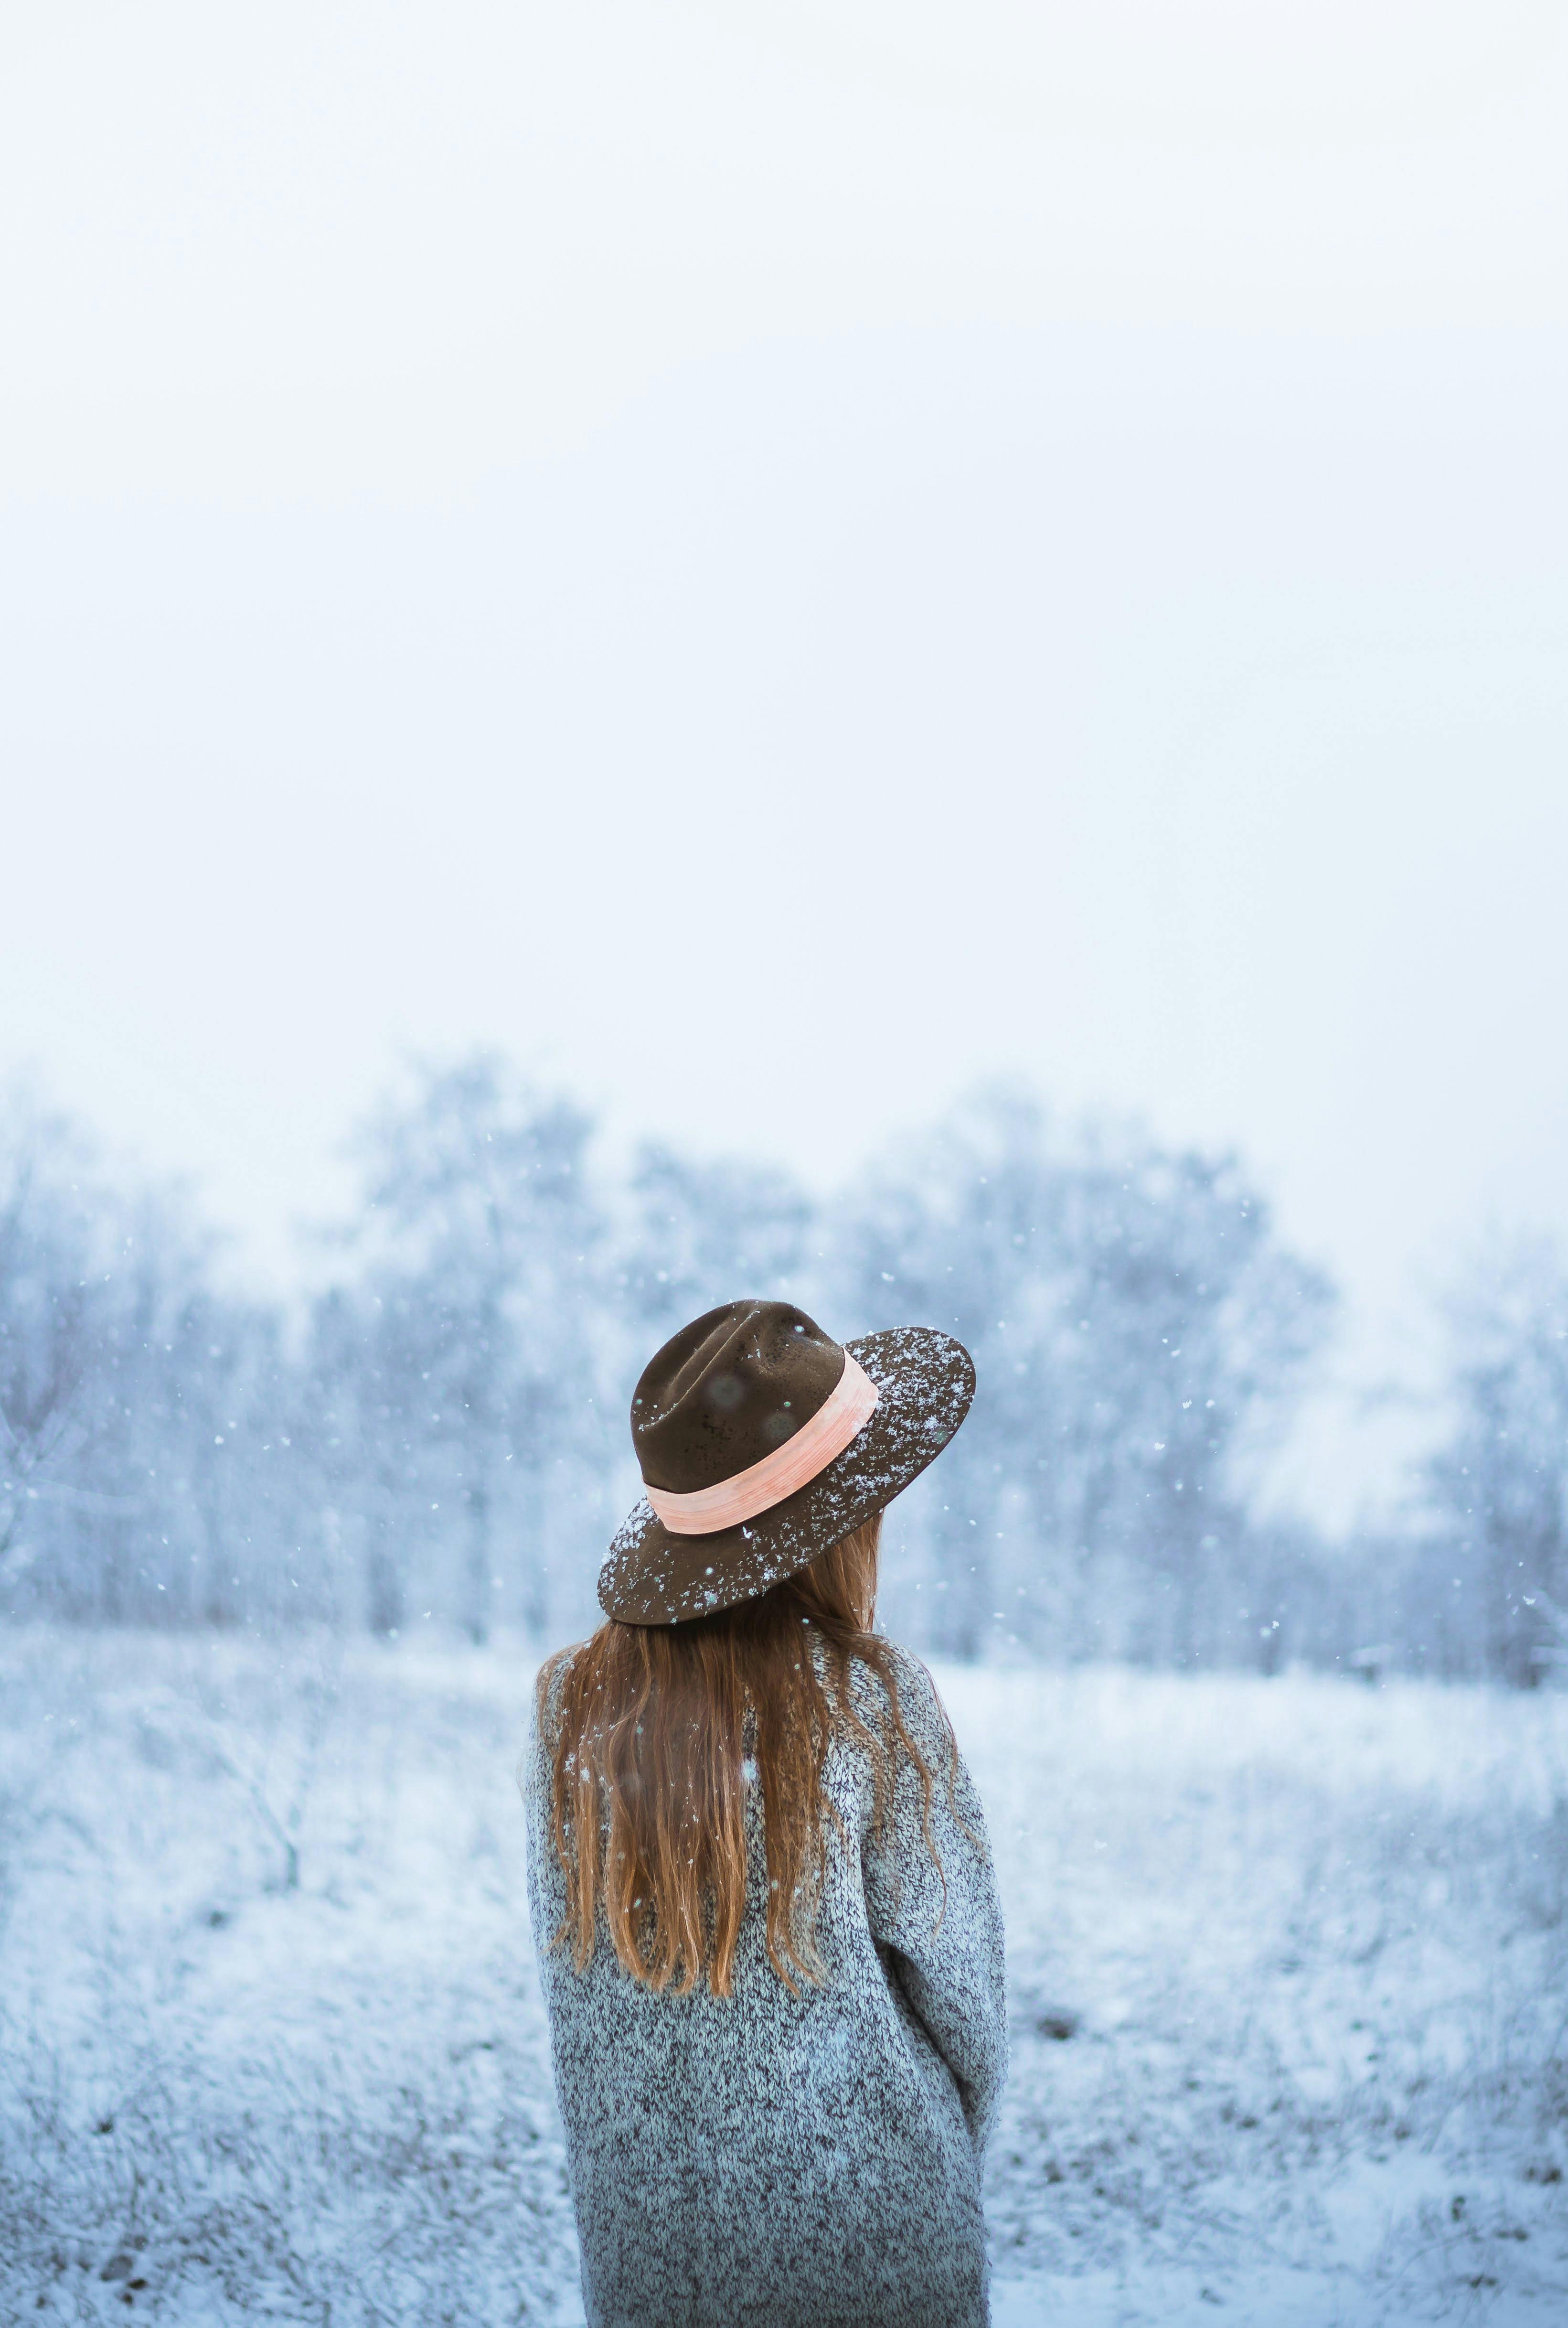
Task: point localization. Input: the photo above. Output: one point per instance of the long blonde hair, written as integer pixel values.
(655, 1728)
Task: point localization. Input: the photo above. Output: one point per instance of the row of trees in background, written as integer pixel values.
(440, 1434)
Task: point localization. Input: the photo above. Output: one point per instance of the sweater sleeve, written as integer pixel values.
(944, 1950)
(546, 1884)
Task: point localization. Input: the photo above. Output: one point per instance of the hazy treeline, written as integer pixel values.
(440, 1433)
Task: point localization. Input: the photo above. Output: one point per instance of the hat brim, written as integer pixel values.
(924, 1383)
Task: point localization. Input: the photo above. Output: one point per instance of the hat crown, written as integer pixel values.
(727, 1391)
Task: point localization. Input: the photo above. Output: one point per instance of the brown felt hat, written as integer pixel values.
(762, 1441)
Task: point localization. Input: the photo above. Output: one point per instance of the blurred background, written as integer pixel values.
(908, 657)
(835, 593)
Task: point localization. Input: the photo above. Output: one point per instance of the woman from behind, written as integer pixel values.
(761, 1896)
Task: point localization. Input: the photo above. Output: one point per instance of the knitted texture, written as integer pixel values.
(766, 2161)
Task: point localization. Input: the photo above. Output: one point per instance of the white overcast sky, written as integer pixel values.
(775, 559)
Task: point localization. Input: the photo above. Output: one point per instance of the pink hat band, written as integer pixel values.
(841, 1416)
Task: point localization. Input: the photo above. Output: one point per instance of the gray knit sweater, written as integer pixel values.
(766, 2161)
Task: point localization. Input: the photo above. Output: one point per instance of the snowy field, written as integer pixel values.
(1287, 1962)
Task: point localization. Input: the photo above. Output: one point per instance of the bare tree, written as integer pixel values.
(1500, 1484)
(482, 1246)
(701, 1234)
(43, 1309)
(1134, 1321)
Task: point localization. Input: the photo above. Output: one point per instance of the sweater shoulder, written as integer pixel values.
(908, 1683)
(545, 1700)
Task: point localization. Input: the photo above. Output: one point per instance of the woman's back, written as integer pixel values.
(811, 2155)
(762, 1897)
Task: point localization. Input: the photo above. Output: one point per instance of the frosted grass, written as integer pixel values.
(1288, 1960)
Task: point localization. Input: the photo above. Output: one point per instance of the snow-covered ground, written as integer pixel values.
(1289, 1966)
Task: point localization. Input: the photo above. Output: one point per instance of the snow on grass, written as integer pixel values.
(1310, 1941)
(1288, 1960)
